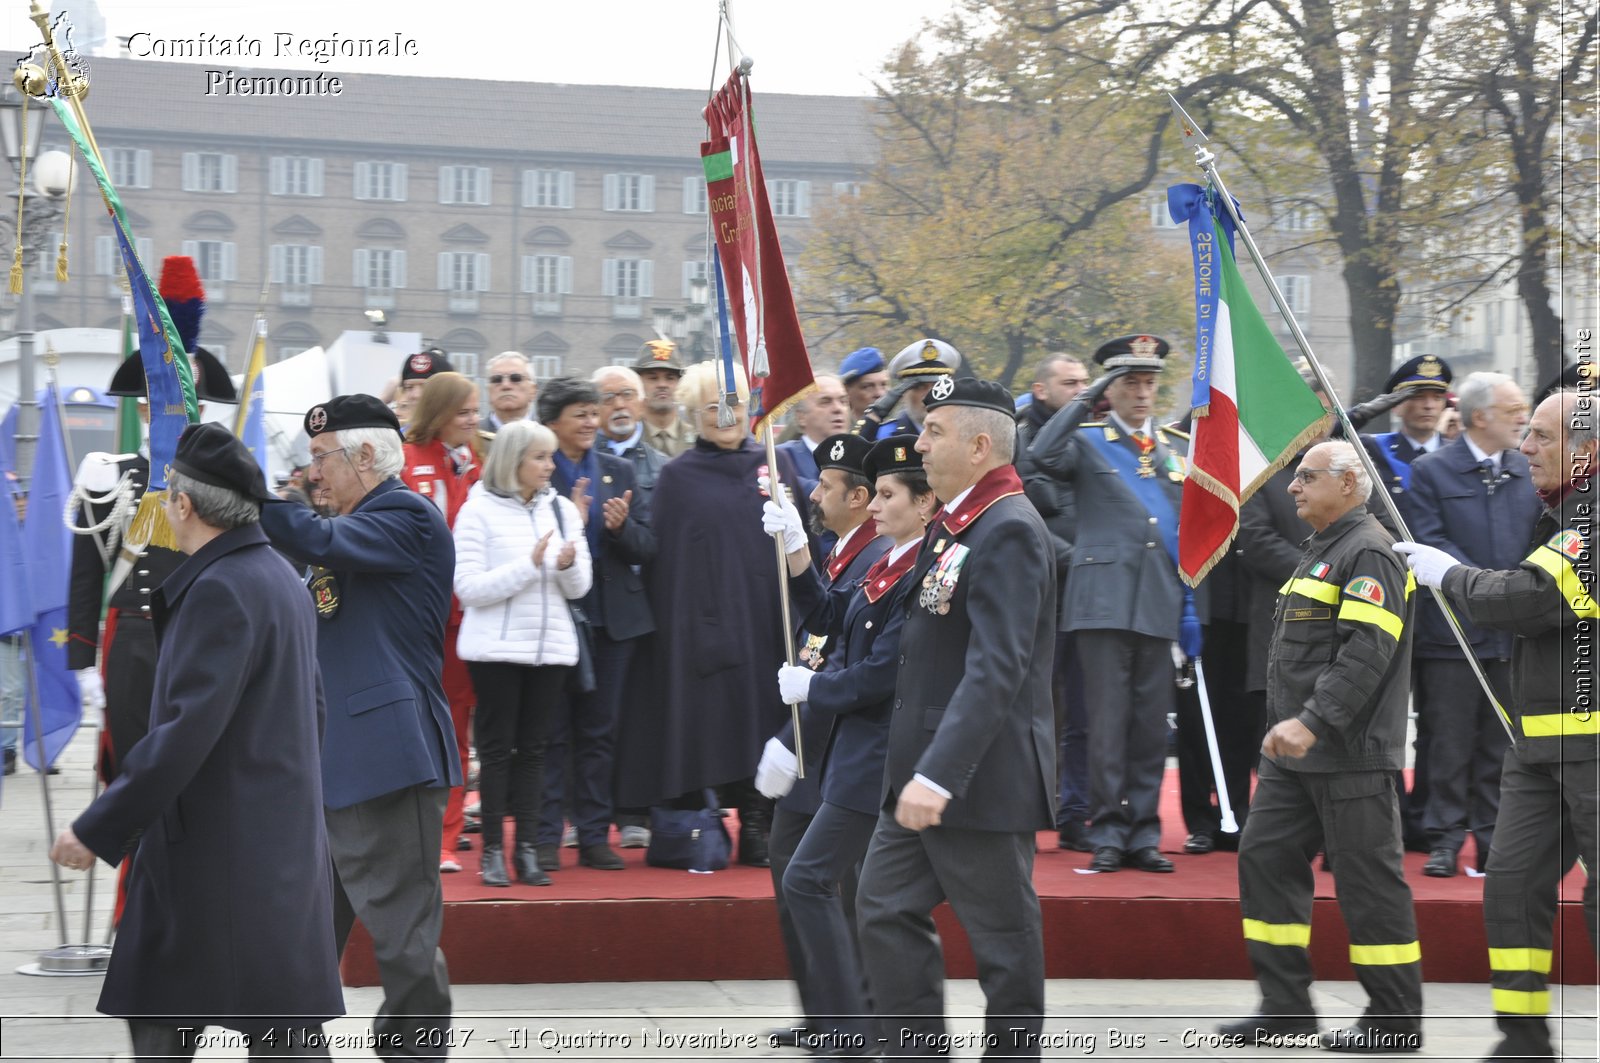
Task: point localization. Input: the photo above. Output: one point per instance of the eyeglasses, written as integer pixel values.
(711, 407)
(625, 395)
(1515, 409)
(318, 459)
(514, 378)
(1305, 476)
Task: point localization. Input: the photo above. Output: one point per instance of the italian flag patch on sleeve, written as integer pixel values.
(1366, 588)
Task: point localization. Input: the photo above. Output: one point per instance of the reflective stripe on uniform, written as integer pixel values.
(1311, 588)
(1521, 1002)
(1386, 955)
(1377, 615)
(1278, 933)
(1567, 581)
(1561, 725)
(1536, 960)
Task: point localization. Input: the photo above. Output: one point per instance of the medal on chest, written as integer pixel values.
(1147, 454)
(811, 653)
(939, 582)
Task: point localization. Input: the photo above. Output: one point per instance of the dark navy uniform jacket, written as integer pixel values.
(382, 653)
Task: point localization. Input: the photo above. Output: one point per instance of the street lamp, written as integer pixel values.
(21, 130)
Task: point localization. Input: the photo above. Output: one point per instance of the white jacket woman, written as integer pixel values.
(514, 612)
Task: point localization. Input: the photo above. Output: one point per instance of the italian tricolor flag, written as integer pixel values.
(1252, 411)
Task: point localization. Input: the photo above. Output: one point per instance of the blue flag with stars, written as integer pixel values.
(47, 544)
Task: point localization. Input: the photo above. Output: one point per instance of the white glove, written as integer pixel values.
(776, 773)
(794, 683)
(92, 691)
(1428, 562)
(782, 517)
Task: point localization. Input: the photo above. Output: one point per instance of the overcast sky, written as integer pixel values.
(833, 47)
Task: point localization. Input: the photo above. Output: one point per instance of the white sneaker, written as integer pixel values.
(569, 840)
(449, 863)
(634, 838)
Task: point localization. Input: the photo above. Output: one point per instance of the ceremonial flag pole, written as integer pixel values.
(1206, 159)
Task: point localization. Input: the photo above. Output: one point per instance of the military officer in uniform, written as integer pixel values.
(127, 650)
(1124, 598)
(1425, 383)
(665, 426)
(913, 371)
(1549, 779)
(865, 379)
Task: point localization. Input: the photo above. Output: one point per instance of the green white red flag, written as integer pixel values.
(1252, 410)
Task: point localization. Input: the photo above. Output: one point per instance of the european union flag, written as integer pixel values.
(47, 545)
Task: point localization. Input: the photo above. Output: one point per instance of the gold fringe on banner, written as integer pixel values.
(150, 525)
(61, 261)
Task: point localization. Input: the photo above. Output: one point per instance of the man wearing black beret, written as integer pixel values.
(970, 774)
(222, 798)
(383, 568)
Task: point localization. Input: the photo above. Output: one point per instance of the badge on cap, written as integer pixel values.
(1144, 346)
(421, 362)
(943, 386)
(837, 452)
(317, 419)
(1430, 367)
(929, 352)
(900, 452)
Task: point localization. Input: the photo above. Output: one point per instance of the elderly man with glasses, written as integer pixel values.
(622, 424)
(512, 391)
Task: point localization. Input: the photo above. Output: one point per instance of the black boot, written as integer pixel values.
(526, 860)
(755, 823)
(493, 868)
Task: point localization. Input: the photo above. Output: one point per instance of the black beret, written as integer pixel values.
(211, 380)
(1572, 377)
(211, 454)
(350, 411)
(845, 452)
(893, 454)
(970, 391)
(1425, 372)
(423, 364)
(1138, 354)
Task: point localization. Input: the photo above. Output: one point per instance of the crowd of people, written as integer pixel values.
(581, 586)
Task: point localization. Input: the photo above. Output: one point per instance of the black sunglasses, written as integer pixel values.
(515, 378)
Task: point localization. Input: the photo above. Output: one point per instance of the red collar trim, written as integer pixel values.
(882, 576)
(853, 544)
(995, 485)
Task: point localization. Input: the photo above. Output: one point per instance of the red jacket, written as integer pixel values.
(431, 472)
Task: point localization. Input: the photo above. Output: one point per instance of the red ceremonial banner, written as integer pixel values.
(759, 300)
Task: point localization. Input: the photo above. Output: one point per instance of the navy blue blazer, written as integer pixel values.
(382, 653)
(1450, 506)
(624, 610)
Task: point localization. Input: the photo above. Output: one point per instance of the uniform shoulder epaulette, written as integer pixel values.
(1093, 424)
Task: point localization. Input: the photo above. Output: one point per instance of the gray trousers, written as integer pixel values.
(788, 827)
(820, 890)
(987, 876)
(386, 873)
(1466, 744)
(1356, 817)
(1128, 687)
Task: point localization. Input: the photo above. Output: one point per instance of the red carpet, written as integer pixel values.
(648, 924)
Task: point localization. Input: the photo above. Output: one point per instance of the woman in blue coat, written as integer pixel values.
(856, 688)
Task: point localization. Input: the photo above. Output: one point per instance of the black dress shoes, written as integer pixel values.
(526, 859)
(600, 857)
(1441, 863)
(1148, 858)
(1106, 858)
(549, 857)
(1074, 836)
(1199, 843)
(1371, 1039)
(1268, 1029)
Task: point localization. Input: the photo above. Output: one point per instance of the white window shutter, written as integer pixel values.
(565, 189)
(529, 183)
(144, 247)
(397, 268)
(446, 186)
(608, 273)
(611, 192)
(230, 261)
(141, 168)
(647, 192)
(564, 275)
(190, 248)
(277, 264)
(530, 272)
(314, 265)
(647, 270)
(363, 180)
(276, 179)
(803, 198)
(688, 275)
(399, 174)
(444, 271)
(191, 171)
(485, 177)
(230, 173)
(316, 177)
(482, 271)
(360, 267)
(105, 255)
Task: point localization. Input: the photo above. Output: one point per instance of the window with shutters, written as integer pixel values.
(216, 262)
(295, 269)
(547, 188)
(108, 261)
(465, 275)
(464, 185)
(380, 271)
(628, 281)
(130, 167)
(630, 192)
(1296, 289)
(846, 189)
(209, 171)
(694, 195)
(381, 180)
(294, 175)
(545, 366)
(547, 278)
(790, 199)
(696, 278)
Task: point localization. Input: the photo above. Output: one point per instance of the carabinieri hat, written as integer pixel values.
(1425, 372)
(970, 391)
(350, 411)
(424, 364)
(859, 363)
(892, 454)
(658, 354)
(1138, 354)
(211, 454)
(925, 358)
(845, 452)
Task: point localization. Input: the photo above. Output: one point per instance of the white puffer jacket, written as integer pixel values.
(514, 612)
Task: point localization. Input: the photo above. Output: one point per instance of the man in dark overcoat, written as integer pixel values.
(229, 915)
(380, 581)
(970, 774)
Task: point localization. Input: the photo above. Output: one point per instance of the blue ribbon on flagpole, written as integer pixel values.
(724, 333)
(1198, 206)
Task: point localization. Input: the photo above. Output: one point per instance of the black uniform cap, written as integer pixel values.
(893, 454)
(1425, 372)
(350, 411)
(424, 364)
(970, 391)
(845, 452)
(211, 454)
(211, 380)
